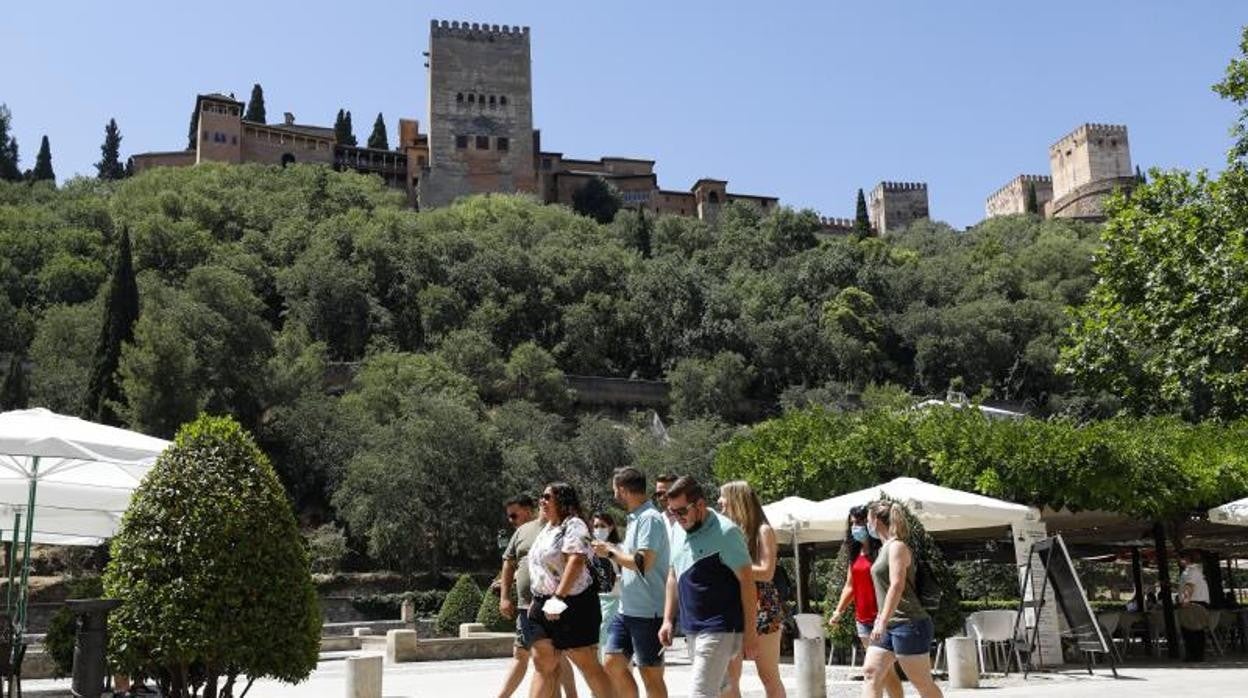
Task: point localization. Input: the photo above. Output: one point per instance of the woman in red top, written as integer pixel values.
(860, 589)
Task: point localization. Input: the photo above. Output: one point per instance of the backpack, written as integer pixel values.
(925, 585)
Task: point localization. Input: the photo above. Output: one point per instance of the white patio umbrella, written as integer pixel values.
(1234, 513)
(71, 479)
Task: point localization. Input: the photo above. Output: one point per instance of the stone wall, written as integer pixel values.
(1087, 202)
(177, 158)
(1011, 199)
(480, 112)
(1090, 153)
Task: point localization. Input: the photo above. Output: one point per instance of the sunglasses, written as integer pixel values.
(679, 512)
(547, 496)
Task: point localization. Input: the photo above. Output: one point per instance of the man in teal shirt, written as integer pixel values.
(643, 558)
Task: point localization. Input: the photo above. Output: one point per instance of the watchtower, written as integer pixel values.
(220, 129)
(895, 205)
(1090, 153)
(480, 112)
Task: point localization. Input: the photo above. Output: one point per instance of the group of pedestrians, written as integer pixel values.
(679, 561)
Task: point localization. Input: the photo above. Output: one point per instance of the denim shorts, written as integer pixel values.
(864, 629)
(635, 638)
(908, 639)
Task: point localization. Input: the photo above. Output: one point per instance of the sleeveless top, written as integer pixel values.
(865, 600)
(909, 608)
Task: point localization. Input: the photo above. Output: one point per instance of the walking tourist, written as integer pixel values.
(903, 631)
(712, 582)
(522, 515)
(565, 613)
(606, 531)
(862, 549)
(741, 504)
(661, 485)
(633, 636)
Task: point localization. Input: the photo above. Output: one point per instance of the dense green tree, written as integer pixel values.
(862, 219)
(121, 311)
(225, 591)
(710, 387)
(9, 161)
(43, 163)
(344, 134)
(378, 139)
(597, 199)
(531, 373)
(109, 166)
(255, 106)
(62, 356)
(15, 392)
(1032, 205)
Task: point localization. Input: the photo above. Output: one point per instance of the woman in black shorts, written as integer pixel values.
(565, 613)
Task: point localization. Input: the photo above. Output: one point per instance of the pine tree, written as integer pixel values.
(9, 169)
(120, 313)
(378, 138)
(43, 163)
(862, 220)
(109, 166)
(1033, 204)
(15, 393)
(342, 129)
(192, 135)
(255, 106)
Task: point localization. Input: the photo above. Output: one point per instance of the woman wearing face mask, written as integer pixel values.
(605, 530)
(863, 547)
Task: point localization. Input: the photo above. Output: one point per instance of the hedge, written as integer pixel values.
(460, 606)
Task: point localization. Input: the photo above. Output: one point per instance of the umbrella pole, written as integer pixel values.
(8, 601)
(30, 532)
(797, 566)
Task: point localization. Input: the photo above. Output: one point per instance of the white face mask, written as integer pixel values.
(602, 533)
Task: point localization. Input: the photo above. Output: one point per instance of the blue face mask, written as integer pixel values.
(859, 533)
(872, 533)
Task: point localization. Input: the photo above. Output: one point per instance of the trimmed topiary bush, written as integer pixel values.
(489, 615)
(460, 606)
(211, 570)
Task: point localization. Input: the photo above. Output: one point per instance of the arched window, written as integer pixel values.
(713, 197)
(288, 159)
(491, 100)
(503, 100)
(459, 97)
(472, 98)
(481, 99)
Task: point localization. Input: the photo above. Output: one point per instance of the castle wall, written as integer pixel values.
(1090, 153)
(268, 146)
(177, 158)
(1011, 199)
(480, 112)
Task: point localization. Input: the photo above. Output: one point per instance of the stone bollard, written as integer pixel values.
(400, 646)
(364, 676)
(407, 612)
(469, 629)
(961, 658)
(810, 661)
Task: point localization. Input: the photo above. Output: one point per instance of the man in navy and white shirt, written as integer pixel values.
(710, 581)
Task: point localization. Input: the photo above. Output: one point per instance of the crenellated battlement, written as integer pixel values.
(1008, 188)
(831, 222)
(900, 186)
(477, 32)
(1090, 129)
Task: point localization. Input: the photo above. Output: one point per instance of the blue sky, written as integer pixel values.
(806, 101)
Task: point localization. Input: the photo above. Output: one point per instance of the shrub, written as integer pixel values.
(59, 641)
(211, 571)
(327, 545)
(460, 606)
(389, 606)
(489, 615)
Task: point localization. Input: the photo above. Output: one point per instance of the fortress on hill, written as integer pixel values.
(481, 139)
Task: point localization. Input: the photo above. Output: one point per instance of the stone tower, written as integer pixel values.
(480, 112)
(220, 127)
(1087, 165)
(895, 205)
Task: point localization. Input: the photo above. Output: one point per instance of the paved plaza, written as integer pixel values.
(480, 678)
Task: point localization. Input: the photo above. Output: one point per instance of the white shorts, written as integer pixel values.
(711, 655)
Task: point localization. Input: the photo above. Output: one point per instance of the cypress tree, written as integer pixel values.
(193, 133)
(43, 163)
(255, 106)
(109, 166)
(1139, 176)
(121, 311)
(348, 130)
(342, 129)
(378, 138)
(15, 393)
(862, 220)
(9, 169)
(1033, 204)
